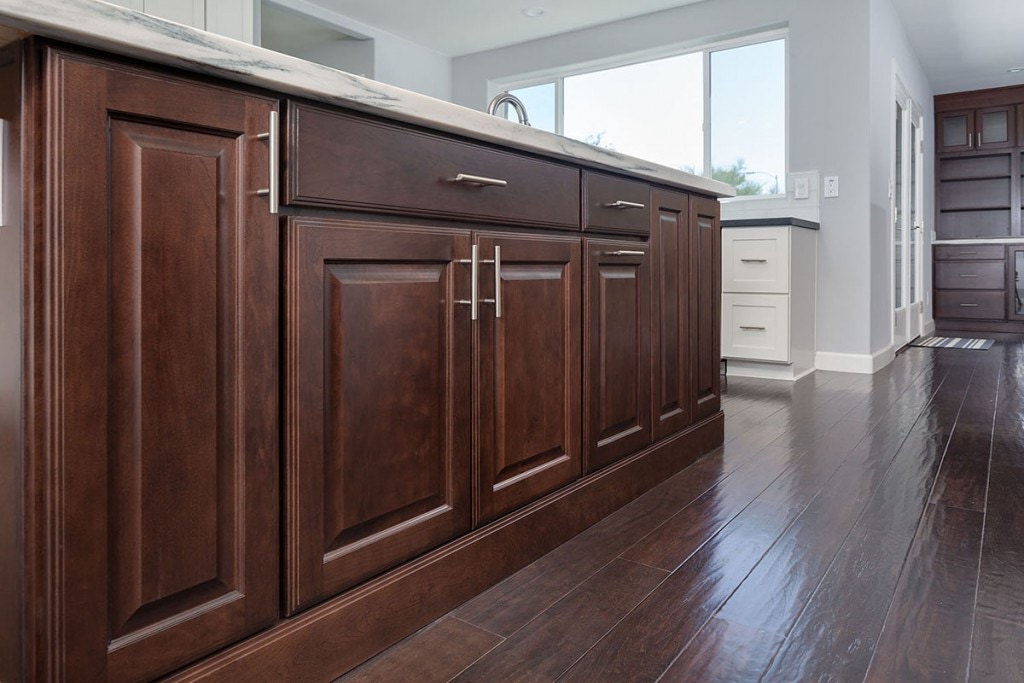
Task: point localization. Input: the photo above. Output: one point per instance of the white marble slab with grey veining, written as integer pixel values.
(121, 31)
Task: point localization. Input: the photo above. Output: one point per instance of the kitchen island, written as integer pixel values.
(296, 362)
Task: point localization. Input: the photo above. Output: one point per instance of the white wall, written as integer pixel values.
(829, 122)
(394, 60)
(888, 46)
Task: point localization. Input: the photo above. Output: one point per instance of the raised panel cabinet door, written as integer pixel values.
(378, 400)
(616, 353)
(706, 306)
(527, 361)
(158, 321)
(670, 312)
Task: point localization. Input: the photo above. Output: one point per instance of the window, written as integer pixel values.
(719, 111)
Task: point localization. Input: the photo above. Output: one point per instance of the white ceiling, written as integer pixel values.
(962, 44)
(459, 27)
(966, 44)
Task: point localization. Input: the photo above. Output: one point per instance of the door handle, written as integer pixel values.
(474, 284)
(272, 192)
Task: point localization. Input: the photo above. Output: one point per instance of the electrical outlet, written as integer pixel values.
(801, 188)
(831, 186)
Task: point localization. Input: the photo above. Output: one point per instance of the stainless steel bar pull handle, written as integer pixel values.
(623, 204)
(969, 305)
(497, 281)
(753, 260)
(753, 327)
(967, 253)
(625, 252)
(468, 179)
(272, 192)
(474, 285)
(965, 275)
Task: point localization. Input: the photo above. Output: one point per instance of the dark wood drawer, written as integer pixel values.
(339, 160)
(970, 274)
(970, 304)
(616, 204)
(972, 252)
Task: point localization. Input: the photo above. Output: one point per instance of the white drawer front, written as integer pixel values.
(755, 260)
(755, 326)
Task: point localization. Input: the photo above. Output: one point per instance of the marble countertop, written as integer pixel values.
(125, 32)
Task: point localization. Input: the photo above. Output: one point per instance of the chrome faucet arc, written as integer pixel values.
(511, 100)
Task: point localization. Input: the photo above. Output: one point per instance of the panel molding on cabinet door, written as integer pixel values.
(158, 308)
(378, 400)
(616, 358)
(527, 364)
(705, 314)
(670, 341)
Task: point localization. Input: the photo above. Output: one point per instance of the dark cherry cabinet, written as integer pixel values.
(527, 361)
(244, 445)
(977, 129)
(160, 437)
(617, 358)
(671, 303)
(705, 306)
(377, 400)
(1015, 282)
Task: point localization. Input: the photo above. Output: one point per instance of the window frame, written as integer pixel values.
(558, 75)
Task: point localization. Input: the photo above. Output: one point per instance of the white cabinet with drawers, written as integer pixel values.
(769, 285)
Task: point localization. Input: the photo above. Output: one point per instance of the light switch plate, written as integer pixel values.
(831, 186)
(801, 188)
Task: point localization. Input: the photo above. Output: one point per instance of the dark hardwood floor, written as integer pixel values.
(851, 528)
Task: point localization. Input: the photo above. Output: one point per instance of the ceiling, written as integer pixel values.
(965, 45)
(962, 44)
(459, 27)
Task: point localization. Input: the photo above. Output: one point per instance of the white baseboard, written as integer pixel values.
(860, 363)
(928, 329)
(783, 371)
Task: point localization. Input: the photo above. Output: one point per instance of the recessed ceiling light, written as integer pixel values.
(1015, 70)
(533, 12)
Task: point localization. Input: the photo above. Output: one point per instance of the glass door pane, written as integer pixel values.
(915, 204)
(955, 131)
(995, 127)
(1018, 282)
(897, 214)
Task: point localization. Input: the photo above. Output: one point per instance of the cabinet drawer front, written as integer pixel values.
(972, 252)
(969, 304)
(755, 260)
(337, 160)
(755, 326)
(616, 204)
(970, 275)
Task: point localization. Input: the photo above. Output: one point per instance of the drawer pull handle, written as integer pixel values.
(479, 180)
(625, 252)
(966, 275)
(753, 327)
(497, 281)
(969, 305)
(753, 260)
(272, 192)
(968, 253)
(622, 204)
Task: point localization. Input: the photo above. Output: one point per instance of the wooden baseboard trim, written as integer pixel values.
(327, 640)
(1010, 330)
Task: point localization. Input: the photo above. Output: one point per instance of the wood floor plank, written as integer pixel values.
(1001, 580)
(927, 631)
(997, 655)
(645, 643)
(505, 608)
(729, 653)
(432, 655)
(963, 479)
(672, 543)
(546, 647)
(834, 637)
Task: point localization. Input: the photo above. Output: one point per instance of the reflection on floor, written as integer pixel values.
(852, 527)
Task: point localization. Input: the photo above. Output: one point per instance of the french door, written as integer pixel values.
(907, 217)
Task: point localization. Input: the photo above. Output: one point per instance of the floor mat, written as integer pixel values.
(953, 343)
